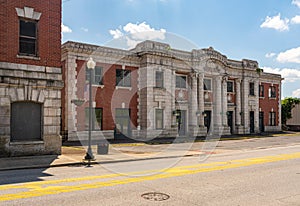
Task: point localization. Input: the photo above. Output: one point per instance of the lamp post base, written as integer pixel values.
(88, 158)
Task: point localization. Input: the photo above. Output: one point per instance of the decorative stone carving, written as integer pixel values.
(28, 13)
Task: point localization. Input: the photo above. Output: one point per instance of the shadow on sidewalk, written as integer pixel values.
(24, 169)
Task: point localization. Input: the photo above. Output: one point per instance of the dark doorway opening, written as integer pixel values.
(207, 119)
(261, 122)
(230, 120)
(181, 122)
(251, 121)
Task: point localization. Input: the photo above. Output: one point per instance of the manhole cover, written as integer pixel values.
(155, 196)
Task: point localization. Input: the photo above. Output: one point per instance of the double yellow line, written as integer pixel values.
(53, 187)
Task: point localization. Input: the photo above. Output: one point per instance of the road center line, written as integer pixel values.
(51, 187)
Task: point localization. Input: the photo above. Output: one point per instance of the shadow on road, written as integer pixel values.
(16, 169)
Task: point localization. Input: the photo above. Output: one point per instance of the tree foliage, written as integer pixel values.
(287, 105)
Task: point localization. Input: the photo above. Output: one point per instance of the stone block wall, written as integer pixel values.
(23, 85)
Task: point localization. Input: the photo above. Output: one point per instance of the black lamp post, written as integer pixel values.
(89, 154)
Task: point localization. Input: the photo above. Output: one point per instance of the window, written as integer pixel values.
(207, 84)
(159, 118)
(229, 86)
(97, 75)
(272, 92)
(97, 114)
(159, 79)
(272, 118)
(180, 81)
(251, 88)
(28, 37)
(123, 78)
(261, 91)
(26, 121)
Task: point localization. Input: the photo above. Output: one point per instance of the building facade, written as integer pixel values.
(155, 91)
(294, 122)
(30, 77)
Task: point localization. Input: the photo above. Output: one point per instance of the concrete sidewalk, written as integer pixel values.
(122, 152)
(74, 155)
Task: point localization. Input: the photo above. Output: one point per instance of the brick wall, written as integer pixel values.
(108, 97)
(49, 32)
(266, 103)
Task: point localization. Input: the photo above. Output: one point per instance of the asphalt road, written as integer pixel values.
(261, 176)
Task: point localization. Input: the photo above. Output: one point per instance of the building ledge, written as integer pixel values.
(26, 142)
(28, 57)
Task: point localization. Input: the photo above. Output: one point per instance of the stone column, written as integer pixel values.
(245, 93)
(201, 100)
(193, 106)
(224, 102)
(71, 87)
(256, 107)
(238, 102)
(279, 106)
(218, 101)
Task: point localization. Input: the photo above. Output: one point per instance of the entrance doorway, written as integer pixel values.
(26, 121)
(251, 121)
(123, 128)
(230, 120)
(261, 122)
(181, 122)
(207, 119)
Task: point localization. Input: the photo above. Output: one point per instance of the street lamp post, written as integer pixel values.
(89, 154)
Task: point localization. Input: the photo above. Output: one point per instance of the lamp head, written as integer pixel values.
(91, 64)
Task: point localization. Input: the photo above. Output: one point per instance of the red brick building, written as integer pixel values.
(167, 92)
(30, 77)
(114, 92)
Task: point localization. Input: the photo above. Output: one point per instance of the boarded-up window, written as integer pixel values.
(26, 121)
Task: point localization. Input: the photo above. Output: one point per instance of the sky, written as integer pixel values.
(267, 31)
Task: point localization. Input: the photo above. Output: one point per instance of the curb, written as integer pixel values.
(83, 163)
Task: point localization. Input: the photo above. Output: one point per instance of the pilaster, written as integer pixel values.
(245, 110)
(201, 100)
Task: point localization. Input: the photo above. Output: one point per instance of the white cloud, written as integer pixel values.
(296, 93)
(65, 29)
(136, 33)
(143, 31)
(296, 2)
(116, 33)
(289, 75)
(84, 29)
(270, 55)
(295, 19)
(291, 55)
(276, 23)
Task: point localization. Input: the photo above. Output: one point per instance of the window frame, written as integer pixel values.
(157, 126)
(159, 82)
(251, 89)
(272, 92)
(261, 90)
(87, 74)
(205, 88)
(123, 80)
(29, 38)
(232, 91)
(181, 85)
(94, 118)
(272, 118)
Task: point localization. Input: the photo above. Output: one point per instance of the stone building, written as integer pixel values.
(155, 91)
(294, 122)
(30, 77)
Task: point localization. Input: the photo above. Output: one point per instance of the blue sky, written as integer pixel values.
(264, 30)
